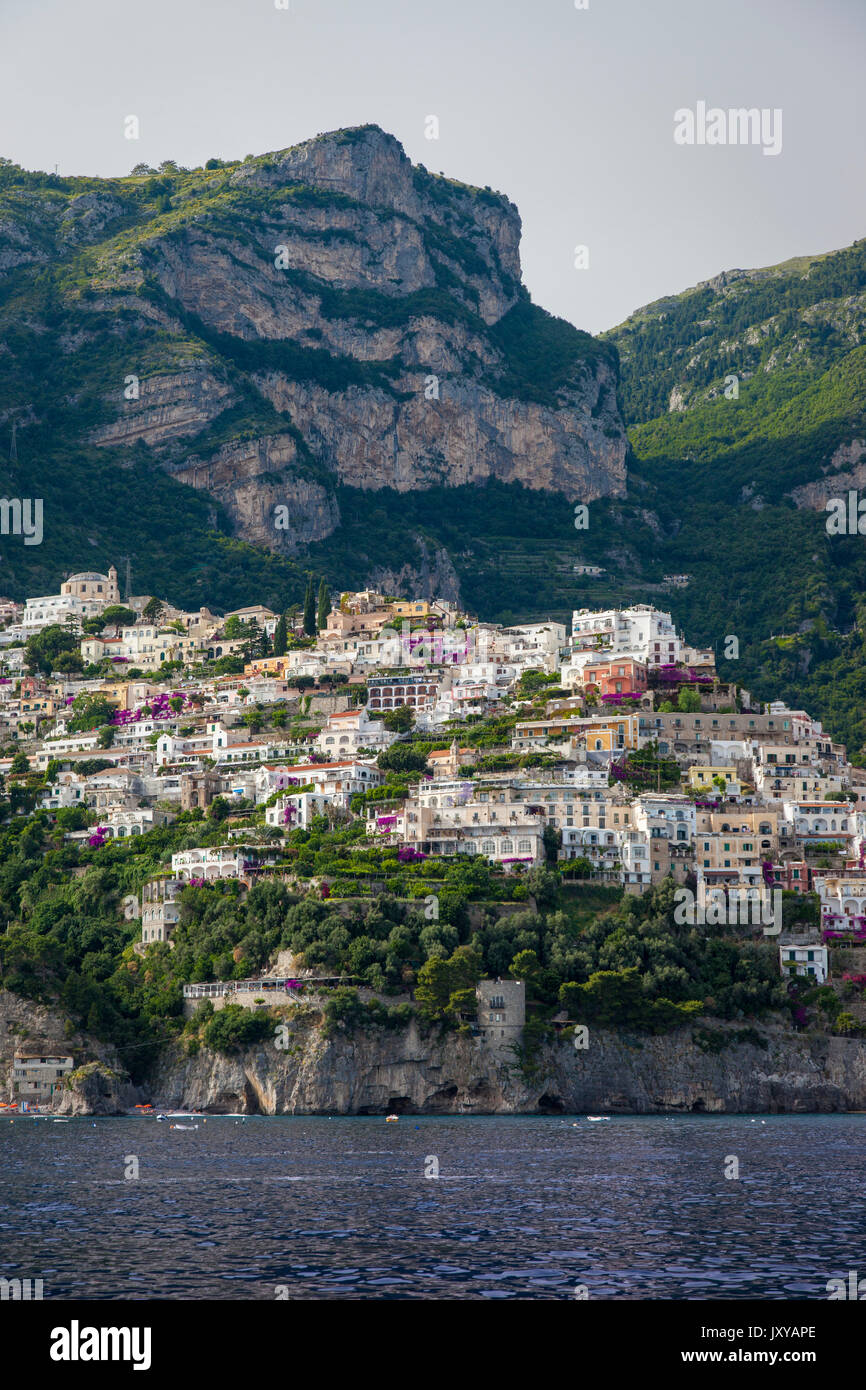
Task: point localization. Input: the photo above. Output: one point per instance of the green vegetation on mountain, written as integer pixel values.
(64, 937)
(88, 293)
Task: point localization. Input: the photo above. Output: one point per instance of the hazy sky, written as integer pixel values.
(570, 112)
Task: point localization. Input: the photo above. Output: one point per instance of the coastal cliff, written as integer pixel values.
(744, 1071)
(381, 1072)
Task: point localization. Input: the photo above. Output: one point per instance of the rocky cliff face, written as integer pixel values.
(402, 1071)
(383, 1072)
(98, 1086)
(332, 314)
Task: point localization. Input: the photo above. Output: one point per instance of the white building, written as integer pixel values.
(666, 817)
(296, 811)
(220, 861)
(346, 731)
(82, 595)
(805, 960)
(641, 632)
(38, 1073)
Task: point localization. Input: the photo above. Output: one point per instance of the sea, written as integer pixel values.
(434, 1207)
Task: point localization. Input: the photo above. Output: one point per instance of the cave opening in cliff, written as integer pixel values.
(550, 1104)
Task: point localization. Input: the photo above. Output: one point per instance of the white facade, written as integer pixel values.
(221, 861)
(296, 811)
(82, 595)
(642, 632)
(805, 960)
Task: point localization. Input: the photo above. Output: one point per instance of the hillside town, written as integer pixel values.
(612, 752)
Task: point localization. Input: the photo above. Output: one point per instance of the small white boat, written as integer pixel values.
(596, 1118)
(183, 1126)
(391, 1119)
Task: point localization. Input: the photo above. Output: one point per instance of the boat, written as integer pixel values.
(183, 1126)
(391, 1119)
(60, 1122)
(596, 1118)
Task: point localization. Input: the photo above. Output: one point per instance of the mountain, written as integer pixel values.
(746, 398)
(198, 359)
(324, 358)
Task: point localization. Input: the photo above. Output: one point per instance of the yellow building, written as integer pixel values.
(410, 608)
(267, 666)
(700, 777)
(607, 733)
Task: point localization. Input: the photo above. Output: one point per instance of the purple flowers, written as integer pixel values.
(99, 837)
(158, 708)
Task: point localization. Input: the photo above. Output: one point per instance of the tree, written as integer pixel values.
(446, 988)
(42, 649)
(89, 711)
(401, 757)
(69, 663)
(234, 1027)
(106, 736)
(324, 605)
(117, 615)
(399, 720)
(689, 701)
(254, 643)
(153, 611)
(552, 840)
(281, 637)
(310, 608)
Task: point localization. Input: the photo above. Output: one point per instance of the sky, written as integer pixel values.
(569, 111)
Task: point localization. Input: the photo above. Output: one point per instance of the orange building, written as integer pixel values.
(616, 676)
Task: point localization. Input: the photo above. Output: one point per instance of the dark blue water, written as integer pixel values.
(632, 1208)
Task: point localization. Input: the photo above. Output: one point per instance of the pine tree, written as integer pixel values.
(310, 608)
(324, 605)
(281, 637)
